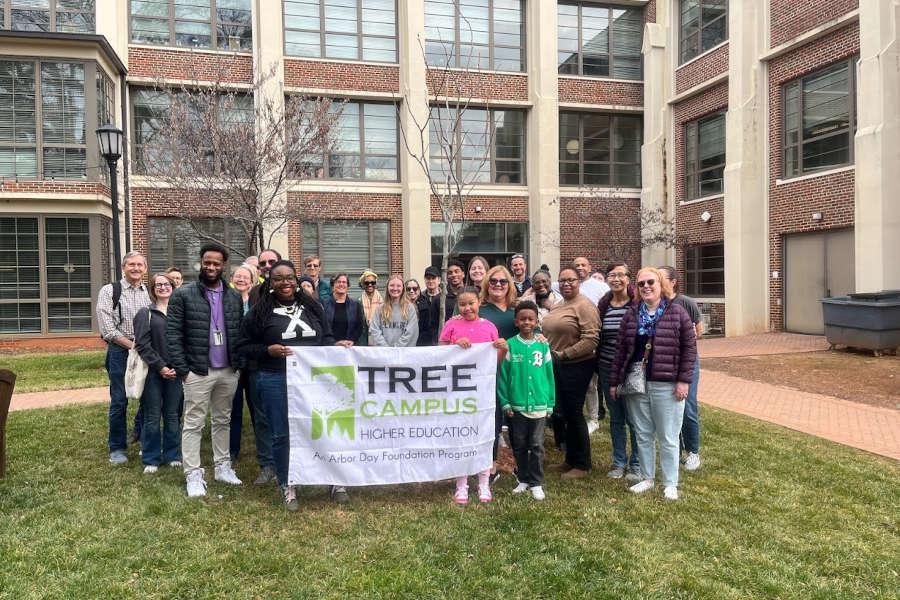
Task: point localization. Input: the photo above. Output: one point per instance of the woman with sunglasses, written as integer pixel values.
(659, 334)
(396, 323)
(371, 299)
(572, 327)
(162, 388)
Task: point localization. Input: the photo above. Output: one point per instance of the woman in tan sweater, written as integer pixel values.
(572, 327)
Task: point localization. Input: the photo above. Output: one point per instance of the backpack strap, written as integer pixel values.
(116, 297)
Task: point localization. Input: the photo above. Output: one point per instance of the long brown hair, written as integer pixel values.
(387, 306)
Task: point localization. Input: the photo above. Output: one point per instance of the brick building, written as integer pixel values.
(768, 132)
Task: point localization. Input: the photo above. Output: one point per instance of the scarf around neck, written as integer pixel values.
(646, 321)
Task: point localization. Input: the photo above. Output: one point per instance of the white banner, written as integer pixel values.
(366, 416)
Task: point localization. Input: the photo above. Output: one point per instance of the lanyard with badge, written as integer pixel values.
(218, 337)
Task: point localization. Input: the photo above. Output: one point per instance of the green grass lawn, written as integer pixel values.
(58, 371)
(771, 514)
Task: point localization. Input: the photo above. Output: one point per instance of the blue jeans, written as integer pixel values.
(618, 419)
(690, 430)
(657, 414)
(247, 389)
(271, 386)
(160, 400)
(116, 359)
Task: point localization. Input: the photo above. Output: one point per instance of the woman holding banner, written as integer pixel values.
(284, 319)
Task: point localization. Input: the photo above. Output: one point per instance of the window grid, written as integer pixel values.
(173, 242)
(437, 44)
(55, 95)
(795, 109)
(703, 176)
(378, 44)
(63, 16)
(565, 56)
(484, 124)
(588, 171)
(341, 248)
(700, 37)
(704, 270)
(214, 24)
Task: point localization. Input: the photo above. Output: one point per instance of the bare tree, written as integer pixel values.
(452, 146)
(232, 153)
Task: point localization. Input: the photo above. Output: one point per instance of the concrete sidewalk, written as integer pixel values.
(868, 428)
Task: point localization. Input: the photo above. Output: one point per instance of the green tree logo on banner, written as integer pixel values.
(336, 406)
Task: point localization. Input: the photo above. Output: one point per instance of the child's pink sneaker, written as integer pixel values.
(462, 495)
(484, 493)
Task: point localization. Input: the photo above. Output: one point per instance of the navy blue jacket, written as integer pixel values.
(356, 319)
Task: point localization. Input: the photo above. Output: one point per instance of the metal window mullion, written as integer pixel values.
(609, 54)
(457, 33)
(372, 245)
(38, 121)
(490, 34)
(362, 140)
(580, 41)
(613, 126)
(322, 28)
(581, 149)
(42, 275)
(492, 149)
(359, 31)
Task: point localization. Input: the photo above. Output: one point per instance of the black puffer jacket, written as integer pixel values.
(188, 328)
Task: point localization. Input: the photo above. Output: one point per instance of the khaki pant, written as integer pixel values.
(211, 394)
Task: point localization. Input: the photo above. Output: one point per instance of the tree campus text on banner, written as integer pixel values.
(371, 416)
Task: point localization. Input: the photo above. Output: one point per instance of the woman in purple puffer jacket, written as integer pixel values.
(658, 412)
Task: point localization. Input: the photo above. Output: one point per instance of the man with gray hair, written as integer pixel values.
(117, 303)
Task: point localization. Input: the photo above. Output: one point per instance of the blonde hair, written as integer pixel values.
(512, 298)
(664, 283)
(387, 307)
(254, 274)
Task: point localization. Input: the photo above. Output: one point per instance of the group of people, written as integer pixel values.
(564, 348)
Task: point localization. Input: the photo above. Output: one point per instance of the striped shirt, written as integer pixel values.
(111, 324)
(609, 329)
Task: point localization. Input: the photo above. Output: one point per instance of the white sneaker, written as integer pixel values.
(522, 487)
(592, 427)
(175, 464)
(150, 469)
(537, 492)
(196, 485)
(692, 461)
(226, 474)
(670, 492)
(641, 487)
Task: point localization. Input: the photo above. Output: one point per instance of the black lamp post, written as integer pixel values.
(110, 138)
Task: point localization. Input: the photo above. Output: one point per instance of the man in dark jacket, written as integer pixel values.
(203, 322)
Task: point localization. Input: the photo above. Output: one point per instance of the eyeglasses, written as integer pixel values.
(646, 282)
(268, 262)
(313, 266)
(279, 279)
(498, 282)
(412, 289)
(616, 275)
(570, 281)
(162, 285)
(368, 283)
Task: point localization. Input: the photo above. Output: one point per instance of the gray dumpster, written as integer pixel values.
(866, 320)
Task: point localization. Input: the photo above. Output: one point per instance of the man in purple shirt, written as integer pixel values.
(202, 328)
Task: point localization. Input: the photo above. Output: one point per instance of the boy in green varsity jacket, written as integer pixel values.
(527, 394)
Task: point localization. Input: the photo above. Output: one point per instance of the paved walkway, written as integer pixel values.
(869, 428)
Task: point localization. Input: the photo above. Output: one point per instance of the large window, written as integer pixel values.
(63, 16)
(150, 108)
(704, 156)
(341, 29)
(819, 120)
(50, 257)
(599, 41)
(484, 146)
(366, 144)
(475, 34)
(704, 24)
(350, 247)
(704, 270)
(59, 146)
(218, 24)
(175, 242)
(600, 149)
(496, 242)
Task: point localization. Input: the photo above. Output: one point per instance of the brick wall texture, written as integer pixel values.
(600, 91)
(650, 12)
(512, 209)
(791, 204)
(55, 186)
(702, 69)
(192, 65)
(792, 18)
(477, 84)
(602, 229)
(350, 76)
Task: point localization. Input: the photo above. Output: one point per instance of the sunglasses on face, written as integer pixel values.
(412, 289)
(368, 283)
(268, 262)
(498, 282)
(646, 282)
